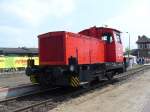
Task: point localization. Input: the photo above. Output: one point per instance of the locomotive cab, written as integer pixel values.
(113, 46)
(113, 49)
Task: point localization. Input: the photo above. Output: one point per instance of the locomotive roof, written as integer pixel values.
(94, 27)
(48, 33)
(109, 29)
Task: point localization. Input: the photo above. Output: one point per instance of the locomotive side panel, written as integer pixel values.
(97, 51)
(52, 48)
(87, 50)
(74, 46)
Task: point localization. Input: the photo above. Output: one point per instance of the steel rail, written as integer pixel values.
(6, 101)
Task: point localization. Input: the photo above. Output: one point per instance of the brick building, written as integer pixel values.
(143, 44)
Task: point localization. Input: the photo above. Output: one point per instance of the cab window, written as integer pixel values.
(107, 37)
(117, 37)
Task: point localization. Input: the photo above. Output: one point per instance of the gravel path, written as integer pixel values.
(11, 80)
(131, 96)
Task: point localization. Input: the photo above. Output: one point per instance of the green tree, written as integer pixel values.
(127, 50)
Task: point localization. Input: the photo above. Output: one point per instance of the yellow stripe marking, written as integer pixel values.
(74, 81)
(77, 80)
(72, 84)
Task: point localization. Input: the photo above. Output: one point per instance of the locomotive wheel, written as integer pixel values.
(124, 69)
(33, 79)
(109, 75)
(44, 81)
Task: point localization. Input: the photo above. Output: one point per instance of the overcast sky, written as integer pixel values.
(22, 20)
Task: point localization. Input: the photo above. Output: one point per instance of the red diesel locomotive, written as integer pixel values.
(73, 59)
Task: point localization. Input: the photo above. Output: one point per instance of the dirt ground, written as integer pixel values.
(131, 96)
(11, 80)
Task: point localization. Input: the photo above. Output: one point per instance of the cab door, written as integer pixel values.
(109, 46)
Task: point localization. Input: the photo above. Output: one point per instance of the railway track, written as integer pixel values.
(8, 92)
(45, 101)
(11, 104)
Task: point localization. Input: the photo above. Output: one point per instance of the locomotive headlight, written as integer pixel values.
(71, 68)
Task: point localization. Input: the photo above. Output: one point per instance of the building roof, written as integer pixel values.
(143, 39)
(19, 51)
